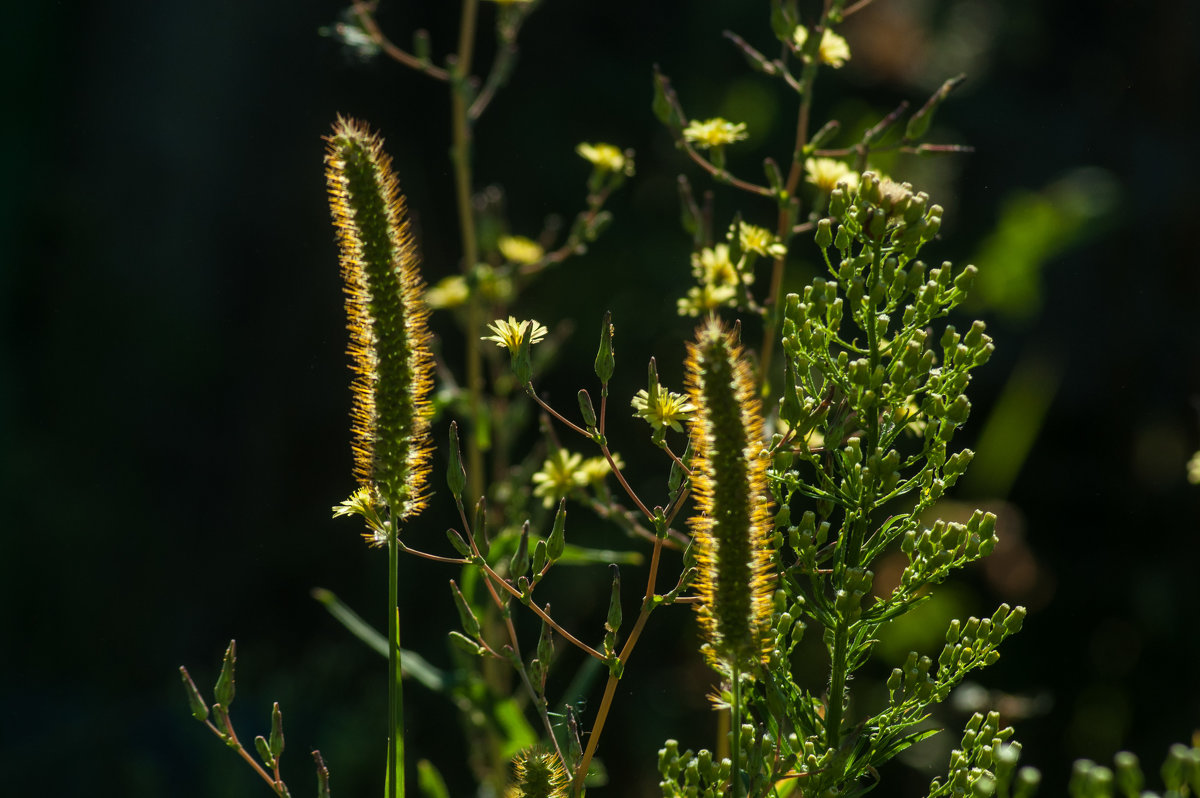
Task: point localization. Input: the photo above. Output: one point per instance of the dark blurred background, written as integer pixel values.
(174, 395)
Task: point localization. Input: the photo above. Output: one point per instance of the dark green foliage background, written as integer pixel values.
(173, 404)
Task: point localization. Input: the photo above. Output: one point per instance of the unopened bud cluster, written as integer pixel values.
(934, 552)
(695, 775)
(973, 766)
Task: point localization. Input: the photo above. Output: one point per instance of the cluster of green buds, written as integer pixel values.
(934, 552)
(970, 645)
(1180, 774)
(787, 626)
(695, 775)
(983, 751)
(864, 365)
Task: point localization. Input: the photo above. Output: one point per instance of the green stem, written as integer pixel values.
(610, 689)
(395, 766)
(783, 230)
(735, 754)
(837, 685)
(460, 157)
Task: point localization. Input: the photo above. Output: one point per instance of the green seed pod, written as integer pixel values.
(586, 410)
(613, 623)
(264, 751)
(225, 680)
(480, 529)
(466, 616)
(456, 475)
(389, 337)
(556, 543)
(276, 742)
(465, 644)
(195, 700)
(519, 564)
(458, 543)
(605, 359)
(731, 527)
(545, 646)
(539, 559)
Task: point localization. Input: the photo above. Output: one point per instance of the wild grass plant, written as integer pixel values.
(790, 465)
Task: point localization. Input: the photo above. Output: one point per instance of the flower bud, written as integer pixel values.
(605, 360)
(824, 234)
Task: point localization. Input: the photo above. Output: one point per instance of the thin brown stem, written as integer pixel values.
(610, 690)
(854, 9)
(621, 478)
(366, 18)
(572, 425)
(504, 583)
(434, 557)
(795, 172)
(232, 740)
(722, 175)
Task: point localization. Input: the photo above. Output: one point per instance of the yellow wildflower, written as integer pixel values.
(712, 266)
(714, 132)
(667, 410)
(828, 173)
(605, 157)
(511, 333)
(833, 49)
(595, 469)
(702, 299)
(561, 473)
(759, 240)
(448, 293)
(519, 249)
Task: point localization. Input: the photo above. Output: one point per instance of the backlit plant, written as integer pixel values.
(789, 470)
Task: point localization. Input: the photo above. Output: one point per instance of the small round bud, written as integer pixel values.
(824, 235)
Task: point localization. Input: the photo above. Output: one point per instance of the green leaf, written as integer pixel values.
(578, 555)
(430, 780)
(518, 734)
(412, 663)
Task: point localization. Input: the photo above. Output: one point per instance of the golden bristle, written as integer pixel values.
(729, 483)
(387, 319)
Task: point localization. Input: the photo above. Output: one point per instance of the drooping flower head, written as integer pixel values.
(729, 483)
(387, 320)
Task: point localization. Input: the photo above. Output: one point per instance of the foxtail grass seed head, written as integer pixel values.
(387, 320)
(729, 482)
